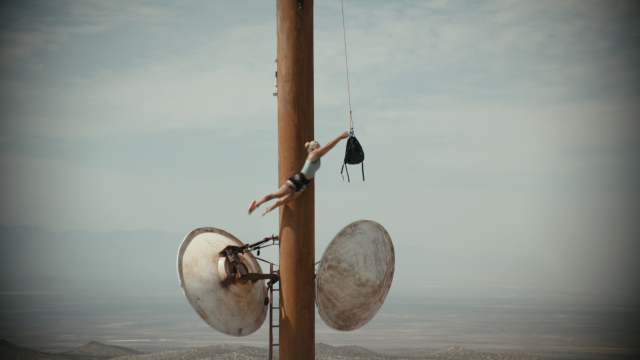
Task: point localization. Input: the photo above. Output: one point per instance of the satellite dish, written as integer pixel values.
(212, 282)
(355, 274)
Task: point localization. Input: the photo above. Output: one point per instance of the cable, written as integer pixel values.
(346, 62)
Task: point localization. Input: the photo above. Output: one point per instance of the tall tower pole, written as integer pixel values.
(297, 218)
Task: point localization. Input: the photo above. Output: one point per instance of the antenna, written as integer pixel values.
(354, 276)
(225, 285)
(221, 279)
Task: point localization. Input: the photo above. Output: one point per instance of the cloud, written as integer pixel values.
(493, 52)
(501, 94)
(226, 83)
(496, 51)
(29, 30)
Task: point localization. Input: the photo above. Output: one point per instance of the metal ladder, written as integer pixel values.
(271, 308)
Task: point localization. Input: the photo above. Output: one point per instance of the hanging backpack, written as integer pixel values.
(353, 155)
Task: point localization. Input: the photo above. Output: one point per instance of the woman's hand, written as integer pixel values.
(318, 153)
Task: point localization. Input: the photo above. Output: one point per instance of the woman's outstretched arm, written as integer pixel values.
(318, 153)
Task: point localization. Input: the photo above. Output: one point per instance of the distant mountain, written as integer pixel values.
(324, 351)
(99, 351)
(15, 352)
(213, 352)
(239, 352)
(460, 353)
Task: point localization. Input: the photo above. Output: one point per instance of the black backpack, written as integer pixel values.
(353, 155)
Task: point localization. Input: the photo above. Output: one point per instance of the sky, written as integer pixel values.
(502, 138)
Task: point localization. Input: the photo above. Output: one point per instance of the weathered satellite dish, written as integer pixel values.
(227, 303)
(355, 274)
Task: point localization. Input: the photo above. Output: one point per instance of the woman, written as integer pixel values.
(296, 184)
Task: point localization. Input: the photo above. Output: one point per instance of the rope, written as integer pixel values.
(346, 62)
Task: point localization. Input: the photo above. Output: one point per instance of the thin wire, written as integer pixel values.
(346, 62)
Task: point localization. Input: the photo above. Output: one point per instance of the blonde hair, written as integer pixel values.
(311, 145)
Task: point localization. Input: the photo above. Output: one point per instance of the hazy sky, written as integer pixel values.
(502, 138)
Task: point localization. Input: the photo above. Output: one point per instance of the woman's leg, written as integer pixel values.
(284, 190)
(283, 200)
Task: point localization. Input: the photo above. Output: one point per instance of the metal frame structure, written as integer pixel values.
(271, 308)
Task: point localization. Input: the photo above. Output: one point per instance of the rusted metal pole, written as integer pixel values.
(297, 218)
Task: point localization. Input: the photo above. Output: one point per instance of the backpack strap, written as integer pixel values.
(362, 170)
(345, 167)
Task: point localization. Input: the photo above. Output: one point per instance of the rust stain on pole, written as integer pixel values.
(297, 218)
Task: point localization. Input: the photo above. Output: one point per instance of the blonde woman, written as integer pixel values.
(296, 184)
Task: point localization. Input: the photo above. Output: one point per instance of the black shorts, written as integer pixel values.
(299, 182)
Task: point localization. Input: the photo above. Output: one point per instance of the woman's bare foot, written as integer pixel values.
(266, 211)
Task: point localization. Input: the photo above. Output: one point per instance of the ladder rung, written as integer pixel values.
(276, 345)
(276, 308)
(275, 325)
(275, 289)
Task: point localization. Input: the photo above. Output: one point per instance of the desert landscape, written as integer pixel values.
(49, 326)
(98, 351)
